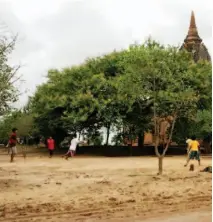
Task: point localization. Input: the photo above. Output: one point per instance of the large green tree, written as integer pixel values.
(81, 98)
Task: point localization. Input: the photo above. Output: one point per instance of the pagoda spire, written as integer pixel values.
(193, 35)
(192, 21)
(193, 43)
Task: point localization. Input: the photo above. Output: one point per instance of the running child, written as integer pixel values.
(51, 146)
(12, 144)
(194, 151)
(73, 146)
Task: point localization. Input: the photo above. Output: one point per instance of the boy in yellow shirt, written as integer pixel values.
(194, 151)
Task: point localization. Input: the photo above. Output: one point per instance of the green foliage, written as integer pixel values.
(167, 78)
(6, 124)
(118, 139)
(8, 91)
(80, 99)
(123, 89)
(200, 126)
(21, 120)
(8, 75)
(95, 139)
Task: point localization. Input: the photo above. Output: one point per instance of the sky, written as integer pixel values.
(61, 33)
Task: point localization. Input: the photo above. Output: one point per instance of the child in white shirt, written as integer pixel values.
(73, 145)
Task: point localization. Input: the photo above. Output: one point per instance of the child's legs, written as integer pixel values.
(190, 157)
(24, 150)
(51, 153)
(187, 161)
(198, 157)
(11, 158)
(13, 152)
(68, 154)
(72, 153)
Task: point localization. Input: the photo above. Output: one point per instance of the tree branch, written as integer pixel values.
(170, 136)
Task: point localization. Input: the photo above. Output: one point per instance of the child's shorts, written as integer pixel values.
(13, 150)
(194, 155)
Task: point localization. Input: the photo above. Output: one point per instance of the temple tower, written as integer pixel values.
(193, 43)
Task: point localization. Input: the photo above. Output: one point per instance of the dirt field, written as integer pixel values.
(103, 189)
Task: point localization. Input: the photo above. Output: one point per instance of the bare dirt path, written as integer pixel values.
(204, 216)
(102, 189)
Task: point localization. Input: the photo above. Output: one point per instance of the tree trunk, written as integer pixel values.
(160, 165)
(131, 149)
(170, 136)
(141, 139)
(207, 147)
(156, 146)
(108, 132)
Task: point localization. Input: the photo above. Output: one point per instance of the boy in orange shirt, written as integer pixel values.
(51, 146)
(194, 151)
(12, 144)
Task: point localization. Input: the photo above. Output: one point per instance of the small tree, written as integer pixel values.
(170, 80)
(183, 103)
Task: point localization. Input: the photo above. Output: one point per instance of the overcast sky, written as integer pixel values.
(59, 33)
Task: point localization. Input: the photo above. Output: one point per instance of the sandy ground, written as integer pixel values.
(103, 189)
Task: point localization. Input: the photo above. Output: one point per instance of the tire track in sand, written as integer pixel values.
(117, 210)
